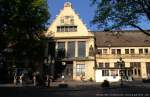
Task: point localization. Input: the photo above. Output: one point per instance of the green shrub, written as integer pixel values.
(63, 85)
(90, 79)
(105, 83)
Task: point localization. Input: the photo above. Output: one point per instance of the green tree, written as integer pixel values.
(22, 27)
(116, 14)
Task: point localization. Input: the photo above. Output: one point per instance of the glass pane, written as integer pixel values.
(81, 49)
(71, 49)
(132, 51)
(104, 51)
(126, 51)
(148, 69)
(101, 65)
(118, 51)
(99, 51)
(58, 29)
(113, 51)
(116, 65)
(61, 50)
(80, 69)
(145, 51)
(105, 72)
(140, 51)
(61, 45)
(106, 65)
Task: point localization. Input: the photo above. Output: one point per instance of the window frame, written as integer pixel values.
(105, 72)
(80, 69)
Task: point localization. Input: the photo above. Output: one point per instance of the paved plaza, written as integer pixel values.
(77, 89)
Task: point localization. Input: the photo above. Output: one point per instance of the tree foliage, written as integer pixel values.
(22, 26)
(116, 14)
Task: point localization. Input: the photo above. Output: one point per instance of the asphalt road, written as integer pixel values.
(80, 91)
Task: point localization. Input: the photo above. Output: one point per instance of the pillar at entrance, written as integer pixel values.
(143, 70)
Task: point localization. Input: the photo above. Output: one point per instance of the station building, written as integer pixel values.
(96, 55)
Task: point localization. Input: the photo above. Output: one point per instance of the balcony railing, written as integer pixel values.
(124, 56)
(77, 58)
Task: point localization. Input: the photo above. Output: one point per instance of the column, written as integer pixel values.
(76, 48)
(66, 43)
(143, 70)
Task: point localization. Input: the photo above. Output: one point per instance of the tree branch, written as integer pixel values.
(146, 10)
(144, 31)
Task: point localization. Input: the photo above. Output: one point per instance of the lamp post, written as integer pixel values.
(63, 75)
(121, 65)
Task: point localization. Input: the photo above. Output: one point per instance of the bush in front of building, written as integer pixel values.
(105, 83)
(63, 86)
(91, 79)
(146, 80)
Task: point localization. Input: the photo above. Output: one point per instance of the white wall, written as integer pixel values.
(100, 78)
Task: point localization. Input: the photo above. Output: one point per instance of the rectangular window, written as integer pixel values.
(61, 50)
(81, 49)
(116, 65)
(106, 65)
(113, 51)
(74, 28)
(66, 28)
(61, 45)
(136, 68)
(135, 64)
(58, 29)
(99, 51)
(80, 69)
(119, 64)
(148, 69)
(71, 49)
(71, 29)
(132, 51)
(118, 51)
(51, 48)
(140, 51)
(104, 51)
(145, 51)
(126, 51)
(103, 65)
(105, 72)
(114, 72)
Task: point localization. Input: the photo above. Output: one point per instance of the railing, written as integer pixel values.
(124, 56)
(78, 58)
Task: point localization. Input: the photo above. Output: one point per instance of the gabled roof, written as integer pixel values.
(68, 18)
(122, 39)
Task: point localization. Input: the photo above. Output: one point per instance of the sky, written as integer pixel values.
(85, 11)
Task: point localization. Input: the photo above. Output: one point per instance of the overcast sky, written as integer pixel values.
(83, 8)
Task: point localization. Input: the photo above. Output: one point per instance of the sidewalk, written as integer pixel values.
(13, 85)
(137, 83)
(84, 84)
(76, 83)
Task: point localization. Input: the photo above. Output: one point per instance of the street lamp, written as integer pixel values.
(121, 64)
(63, 75)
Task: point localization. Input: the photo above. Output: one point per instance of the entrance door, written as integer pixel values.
(68, 72)
(148, 69)
(136, 69)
